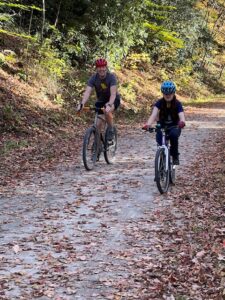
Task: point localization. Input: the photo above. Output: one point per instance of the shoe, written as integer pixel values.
(99, 153)
(176, 161)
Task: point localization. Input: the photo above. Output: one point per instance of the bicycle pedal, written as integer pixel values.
(110, 143)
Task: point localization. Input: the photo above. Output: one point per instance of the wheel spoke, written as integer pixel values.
(110, 147)
(90, 149)
(161, 174)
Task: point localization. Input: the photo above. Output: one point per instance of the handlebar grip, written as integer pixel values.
(151, 129)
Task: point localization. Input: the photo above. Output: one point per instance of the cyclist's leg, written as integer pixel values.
(109, 117)
(174, 134)
(159, 137)
(99, 104)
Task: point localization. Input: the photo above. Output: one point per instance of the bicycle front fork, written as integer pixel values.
(166, 151)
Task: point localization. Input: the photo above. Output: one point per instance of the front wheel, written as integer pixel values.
(161, 174)
(110, 146)
(90, 147)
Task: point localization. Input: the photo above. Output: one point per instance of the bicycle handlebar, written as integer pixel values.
(96, 109)
(150, 129)
(157, 128)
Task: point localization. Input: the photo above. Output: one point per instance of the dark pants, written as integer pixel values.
(173, 135)
(100, 104)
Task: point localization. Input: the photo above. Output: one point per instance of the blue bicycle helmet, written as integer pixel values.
(168, 87)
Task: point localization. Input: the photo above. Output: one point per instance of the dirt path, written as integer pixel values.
(72, 234)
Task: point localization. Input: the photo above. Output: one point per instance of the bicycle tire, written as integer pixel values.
(110, 146)
(161, 175)
(90, 147)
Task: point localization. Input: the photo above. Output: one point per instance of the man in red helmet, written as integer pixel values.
(105, 85)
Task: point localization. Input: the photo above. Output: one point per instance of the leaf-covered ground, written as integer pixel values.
(108, 234)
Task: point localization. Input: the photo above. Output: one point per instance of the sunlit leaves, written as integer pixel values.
(23, 36)
(165, 36)
(20, 6)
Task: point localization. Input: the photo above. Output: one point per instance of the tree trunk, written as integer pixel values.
(31, 17)
(221, 71)
(58, 11)
(43, 21)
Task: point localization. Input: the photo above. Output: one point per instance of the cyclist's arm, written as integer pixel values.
(86, 94)
(153, 117)
(181, 116)
(112, 98)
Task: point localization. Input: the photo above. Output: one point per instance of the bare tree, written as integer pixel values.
(43, 20)
(57, 15)
(30, 23)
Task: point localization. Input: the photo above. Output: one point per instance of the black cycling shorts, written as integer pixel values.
(100, 104)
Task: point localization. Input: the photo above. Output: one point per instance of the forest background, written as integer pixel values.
(47, 53)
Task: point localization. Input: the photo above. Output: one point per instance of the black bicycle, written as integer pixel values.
(164, 167)
(96, 142)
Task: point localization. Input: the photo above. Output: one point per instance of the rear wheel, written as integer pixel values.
(161, 174)
(90, 147)
(110, 146)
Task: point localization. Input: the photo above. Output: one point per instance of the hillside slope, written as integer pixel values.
(36, 132)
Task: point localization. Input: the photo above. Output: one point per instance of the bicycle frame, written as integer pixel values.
(165, 140)
(99, 117)
(97, 114)
(165, 146)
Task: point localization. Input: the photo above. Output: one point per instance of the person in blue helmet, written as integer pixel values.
(168, 112)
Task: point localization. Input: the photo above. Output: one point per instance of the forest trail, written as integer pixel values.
(72, 234)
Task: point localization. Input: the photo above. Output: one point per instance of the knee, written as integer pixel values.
(175, 133)
(109, 114)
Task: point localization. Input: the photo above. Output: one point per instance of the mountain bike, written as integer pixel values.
(96, 142)
(164, 168)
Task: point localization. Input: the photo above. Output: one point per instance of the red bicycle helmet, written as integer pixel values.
(101, 62)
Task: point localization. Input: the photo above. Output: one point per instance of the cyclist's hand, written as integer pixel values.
(80, 107)
(146, 127)
(181, 124)
(108, 107)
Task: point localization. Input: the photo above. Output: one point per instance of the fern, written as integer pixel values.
(165, 35)
(153, 27)
(5, 18)
(20, 6)
(23, 36)
(151, 5)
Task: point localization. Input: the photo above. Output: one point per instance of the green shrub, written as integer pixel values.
(10, 58)
(22, 75)
(58, 99)
(128, 94)
(2, 59)
(51, 62)
(138, 61)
